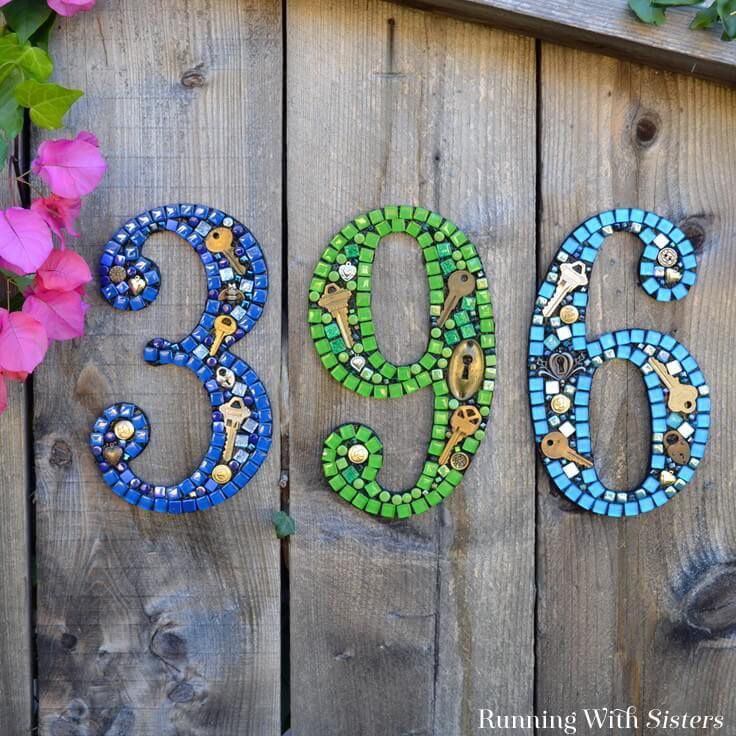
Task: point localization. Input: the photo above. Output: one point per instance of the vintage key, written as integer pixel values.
(682, 397)
(460, 284)
(234, 413)
(463, 422)
(224, 326)
(676, 447)
(220, 240)
(335, 300)
(572, 276)
(555, 446)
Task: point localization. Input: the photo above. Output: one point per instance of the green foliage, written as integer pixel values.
(21, 282)
(283, 524)
(723, 11)
(48, 102)
(25, 68)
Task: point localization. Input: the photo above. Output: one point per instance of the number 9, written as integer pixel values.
(562, 363)
(459, 362)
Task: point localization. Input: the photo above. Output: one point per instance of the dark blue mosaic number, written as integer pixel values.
(562, 363)
(237, 284)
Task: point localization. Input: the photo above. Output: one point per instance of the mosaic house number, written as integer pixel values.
(459, 363)
(237, 284)
(562, 362)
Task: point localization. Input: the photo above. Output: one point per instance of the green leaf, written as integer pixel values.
(47, 102)
(25, 17)
(41, 37)
(675, 3)
(283, 523)
(646, 12)
(11, 114)
(727, 13)
(706, 18)
(21, 282)
(34, 62)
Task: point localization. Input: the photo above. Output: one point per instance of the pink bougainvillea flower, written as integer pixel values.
(60, 312)
(70, 7)
(72, 168)
(63, 270)
(25, 240)
(4, 2)
(59, 214)
(23, 342)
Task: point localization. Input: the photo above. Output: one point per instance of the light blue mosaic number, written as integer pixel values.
(237, 283)
(562, 363)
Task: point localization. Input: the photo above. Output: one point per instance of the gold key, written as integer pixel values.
(234, 413)
(682, 396)
(224, 326)
(555, 446)
(460, 283)
(463, 422)
(220, 240)
(335, 300)
(572, 276)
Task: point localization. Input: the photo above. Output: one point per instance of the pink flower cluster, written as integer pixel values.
(64, 7)
(53, 306)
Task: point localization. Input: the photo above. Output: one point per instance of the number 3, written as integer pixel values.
(562, 363)
(459, 362)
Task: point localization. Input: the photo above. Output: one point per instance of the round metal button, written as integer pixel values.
(569, 314)
(667, 257)
(124, 429)
(459, 460)
(222, 474)
(357, 454)
(560, 404)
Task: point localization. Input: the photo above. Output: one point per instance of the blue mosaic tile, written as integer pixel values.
(241, 412)
(562, 362)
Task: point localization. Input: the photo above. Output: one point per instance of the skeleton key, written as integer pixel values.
(459, 284)
(572, 276)
(234, 413)
(682, 397)
(220, 240)
(555, 446)
(224, 326)
(463, 422)
(335, 301)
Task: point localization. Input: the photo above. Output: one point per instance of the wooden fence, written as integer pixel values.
(117, 622)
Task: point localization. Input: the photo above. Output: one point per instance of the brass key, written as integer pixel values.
(460, 284)
(224, 326)
(463, 422)
(572, 276)
(335, 300)
(682, 396)
(234, 413)
(220, 240)
(555, 446)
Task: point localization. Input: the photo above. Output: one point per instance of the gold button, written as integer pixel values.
(569, 314)
(560, 404)
(222, 473)
(459, 460)
(124, 429)
(667, 257)
(358, 454)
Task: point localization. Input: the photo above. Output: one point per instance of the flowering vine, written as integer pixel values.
(43, 281)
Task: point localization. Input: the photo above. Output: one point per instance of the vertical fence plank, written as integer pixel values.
(409, 627)
(152, 624)
(15, 593)
(641, 612)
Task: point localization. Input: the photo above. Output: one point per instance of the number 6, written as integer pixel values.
(562, 364)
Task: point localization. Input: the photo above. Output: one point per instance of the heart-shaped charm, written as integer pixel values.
(112, 454)
(347, 271)
(358, 362)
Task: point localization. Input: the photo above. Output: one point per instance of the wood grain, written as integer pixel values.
(15, 565)
(150, 625)
(409, 627)
(605, 27)
(641, 612)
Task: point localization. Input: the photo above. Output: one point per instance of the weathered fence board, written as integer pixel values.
(408, 628)
(15, 563)
(607, 27)
(641, 612)
(151, 625)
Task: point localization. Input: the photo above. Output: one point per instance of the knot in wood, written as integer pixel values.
(61, 454)
(194, 77)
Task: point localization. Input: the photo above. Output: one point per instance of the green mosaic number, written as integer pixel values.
(459, 362)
